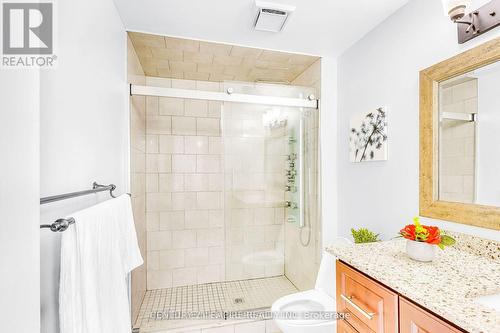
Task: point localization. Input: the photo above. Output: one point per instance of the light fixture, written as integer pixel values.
(475, 23)
(455, 9)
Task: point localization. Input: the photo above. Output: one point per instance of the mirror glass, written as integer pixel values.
(469, 137)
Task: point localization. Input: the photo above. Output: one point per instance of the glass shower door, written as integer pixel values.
(269, 167)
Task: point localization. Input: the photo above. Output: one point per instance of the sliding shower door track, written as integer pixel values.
(228, 96)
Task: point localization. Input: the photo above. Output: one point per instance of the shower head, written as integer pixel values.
(306, 113)
(273, 119)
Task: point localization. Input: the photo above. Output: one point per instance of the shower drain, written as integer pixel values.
(238, 300)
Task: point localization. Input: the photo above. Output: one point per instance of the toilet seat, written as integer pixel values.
(318, 302)
(307, 301)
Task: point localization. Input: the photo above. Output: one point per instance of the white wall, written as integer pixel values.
(383, 70)
(487, 148)
(329, 146)
(19, 205)
(137, 174)
(84, 124)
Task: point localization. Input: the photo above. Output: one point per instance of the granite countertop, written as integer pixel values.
(447, 286)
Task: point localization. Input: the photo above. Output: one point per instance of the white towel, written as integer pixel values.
(97, 253)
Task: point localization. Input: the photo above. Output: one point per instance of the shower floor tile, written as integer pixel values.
(210, 301)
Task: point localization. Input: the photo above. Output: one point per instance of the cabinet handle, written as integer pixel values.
(368, 315)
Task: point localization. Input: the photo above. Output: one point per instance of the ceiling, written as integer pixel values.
(317, 27)
(194, 60)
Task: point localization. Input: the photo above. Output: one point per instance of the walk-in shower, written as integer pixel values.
(224, 180)
(236, 168)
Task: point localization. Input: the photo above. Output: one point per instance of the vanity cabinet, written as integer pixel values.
(344, 327)
(414, 319)
(373, 308)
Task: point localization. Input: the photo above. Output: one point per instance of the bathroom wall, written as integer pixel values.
(329, 150)
(458, 143)
(302, 262)
(84, 118)
(184, 184)
(19, 200)
(137, 173)
(383, 69)
(488, 150)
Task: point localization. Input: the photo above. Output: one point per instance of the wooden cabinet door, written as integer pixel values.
(344, 327)
(413, 319)
(373, 307)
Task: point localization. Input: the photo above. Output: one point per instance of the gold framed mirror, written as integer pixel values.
(459, 113)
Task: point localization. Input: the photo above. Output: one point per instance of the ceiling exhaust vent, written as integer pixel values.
(272, 17)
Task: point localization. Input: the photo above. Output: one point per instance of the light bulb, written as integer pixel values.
(455, 9)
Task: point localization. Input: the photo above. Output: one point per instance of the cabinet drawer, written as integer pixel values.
(414, 319)
(344, 327)
(373, 307)
(356, 324)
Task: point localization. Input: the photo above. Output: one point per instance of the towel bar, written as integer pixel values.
(95, 188)
(61, 225)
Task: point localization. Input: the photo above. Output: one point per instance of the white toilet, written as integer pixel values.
(321, 298)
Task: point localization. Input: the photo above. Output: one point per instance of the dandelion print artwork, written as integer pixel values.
(368, 136)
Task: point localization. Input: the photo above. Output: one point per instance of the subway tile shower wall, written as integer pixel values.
(215, 188)
(184, 188)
